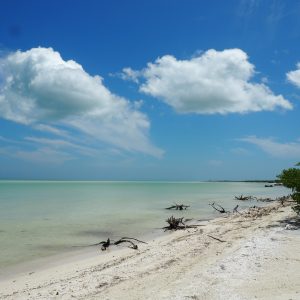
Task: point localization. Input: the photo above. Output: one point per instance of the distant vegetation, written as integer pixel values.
(291, 179)
(252, 181)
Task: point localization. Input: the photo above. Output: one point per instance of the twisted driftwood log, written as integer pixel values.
(218, 208)
(178, 207)
(244, 198)
(128, 240)
(265, 199)
(177, 224)
(105, 244)
(235, 210)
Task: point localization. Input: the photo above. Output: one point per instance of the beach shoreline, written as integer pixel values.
(80, 253)
(191, 264)
(43, 220)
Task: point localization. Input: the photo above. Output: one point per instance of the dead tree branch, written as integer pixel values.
(128, 240)
(265, 199)
(216, 238)
(219, 208)
(176, 224)
(105, 245)
(244, 198)
(178, 207)
(235, 210)
(133, 245)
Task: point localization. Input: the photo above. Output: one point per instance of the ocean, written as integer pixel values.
(43, 218)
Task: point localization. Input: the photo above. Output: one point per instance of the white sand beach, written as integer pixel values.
(256, 259)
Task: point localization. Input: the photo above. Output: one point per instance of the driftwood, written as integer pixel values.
(218, 208)
(174, 223)
(129, 238)
(244, 198)
(265, 199)
(216, 238)
(235, 210)
(132, 244)
(177, 224)
(106, 244)
(280, 199)
(178, 207)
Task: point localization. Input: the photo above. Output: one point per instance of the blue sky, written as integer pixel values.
(149, 90)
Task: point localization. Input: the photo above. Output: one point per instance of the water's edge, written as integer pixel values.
(40, 221)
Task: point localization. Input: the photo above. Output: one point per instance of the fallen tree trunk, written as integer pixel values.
(219, 208)
(244, 198)
(265, 199)
(178, 207)
(106, 244)
(133, 245)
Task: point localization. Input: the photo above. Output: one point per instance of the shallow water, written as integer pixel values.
(42, 218)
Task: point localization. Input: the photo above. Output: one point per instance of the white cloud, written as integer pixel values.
(294, 76)
(46, 150)
(51, 129)
(129, 74)
(276, 149)
(43, 155)
(214, 82)
(58, 144)
(40, 87)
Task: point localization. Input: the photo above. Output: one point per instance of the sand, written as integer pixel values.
(257, 259)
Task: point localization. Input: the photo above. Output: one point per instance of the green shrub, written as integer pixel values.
(291, 179)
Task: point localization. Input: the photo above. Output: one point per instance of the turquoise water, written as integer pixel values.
(42, 218)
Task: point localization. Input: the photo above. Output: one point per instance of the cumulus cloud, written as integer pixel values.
(276, 149)
(214, 82)
(294, 76)
(40, 89)
(129, 74)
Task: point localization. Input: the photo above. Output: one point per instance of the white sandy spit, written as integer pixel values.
(258, 259)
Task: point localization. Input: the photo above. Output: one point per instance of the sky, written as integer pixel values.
(149, 90)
